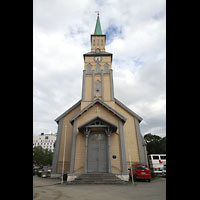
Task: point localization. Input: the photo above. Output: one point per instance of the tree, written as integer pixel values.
(42, 156)
(155, 144)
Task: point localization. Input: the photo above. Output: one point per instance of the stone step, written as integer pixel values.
(97, 182)
(97, 178)
(119, 183)
(97, 175)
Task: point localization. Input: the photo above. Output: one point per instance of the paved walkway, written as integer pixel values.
(48, 189)
(41, 182)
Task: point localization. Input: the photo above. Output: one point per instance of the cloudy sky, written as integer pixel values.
(136, 35)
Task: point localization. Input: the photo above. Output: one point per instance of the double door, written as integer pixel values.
(97, 152)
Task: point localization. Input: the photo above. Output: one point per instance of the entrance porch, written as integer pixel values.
(97, 145)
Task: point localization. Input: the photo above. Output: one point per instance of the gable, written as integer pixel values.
(97, 122)
(97, 101)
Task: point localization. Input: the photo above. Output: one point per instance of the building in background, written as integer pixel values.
(46, 141)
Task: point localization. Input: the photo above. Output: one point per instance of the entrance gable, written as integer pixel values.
(97, 122)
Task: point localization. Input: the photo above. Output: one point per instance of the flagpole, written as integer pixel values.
(64, 155)
(130, 162)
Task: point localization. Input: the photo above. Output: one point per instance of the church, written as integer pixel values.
(98, 134)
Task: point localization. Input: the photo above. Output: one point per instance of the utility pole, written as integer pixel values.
(64, 155)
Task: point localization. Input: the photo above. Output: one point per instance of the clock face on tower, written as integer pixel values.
(97, 58)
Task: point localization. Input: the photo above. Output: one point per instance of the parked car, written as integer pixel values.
(36, 168)
(44, 172)
(164, 171)
(141, 171)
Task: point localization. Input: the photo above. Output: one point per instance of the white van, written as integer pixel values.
(157, 162)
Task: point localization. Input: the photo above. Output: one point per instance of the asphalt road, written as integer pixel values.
(48, 189)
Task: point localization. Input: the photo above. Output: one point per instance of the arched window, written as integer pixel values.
(106, 70)
(98, 50)
(98, 69)
(89, 69)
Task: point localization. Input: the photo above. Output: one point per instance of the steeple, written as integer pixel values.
(97, 30)
(97, 73)
(98, 39)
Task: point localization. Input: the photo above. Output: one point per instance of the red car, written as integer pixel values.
(141, 171)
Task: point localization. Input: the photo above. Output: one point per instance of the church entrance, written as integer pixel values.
(97, 133)
(97, 152)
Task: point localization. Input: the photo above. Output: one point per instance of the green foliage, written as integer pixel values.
(155, 144)
(42, 156)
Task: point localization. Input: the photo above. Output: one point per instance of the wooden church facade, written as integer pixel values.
(98, 133)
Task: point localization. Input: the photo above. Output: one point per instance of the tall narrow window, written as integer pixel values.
(106, 68)
(98, 88)
(98, 69)
(89, 69)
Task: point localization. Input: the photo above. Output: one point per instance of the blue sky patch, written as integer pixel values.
(111, 32)
(137, 61)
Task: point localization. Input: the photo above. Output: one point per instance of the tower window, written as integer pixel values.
(98, 69)
(89, 69)
(97, 50)
(106, 68)
(98, 87)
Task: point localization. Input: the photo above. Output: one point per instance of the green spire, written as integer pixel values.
(98, 27)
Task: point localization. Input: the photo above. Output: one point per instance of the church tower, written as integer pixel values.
(98, 134)
(97, 73)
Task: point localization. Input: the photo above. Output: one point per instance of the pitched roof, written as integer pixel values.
(105, 105)
(112, 126)
(102, 53)
(128, 110)
(69, 110)
(92, 104)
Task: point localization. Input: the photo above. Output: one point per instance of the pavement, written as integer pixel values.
(52, 189)
(41, 182)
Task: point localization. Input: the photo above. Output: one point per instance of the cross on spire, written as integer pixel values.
(97, 13)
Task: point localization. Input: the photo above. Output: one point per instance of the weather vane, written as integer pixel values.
(97, 12)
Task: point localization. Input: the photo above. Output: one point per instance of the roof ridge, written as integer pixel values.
(68, 110)
(128, 109)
